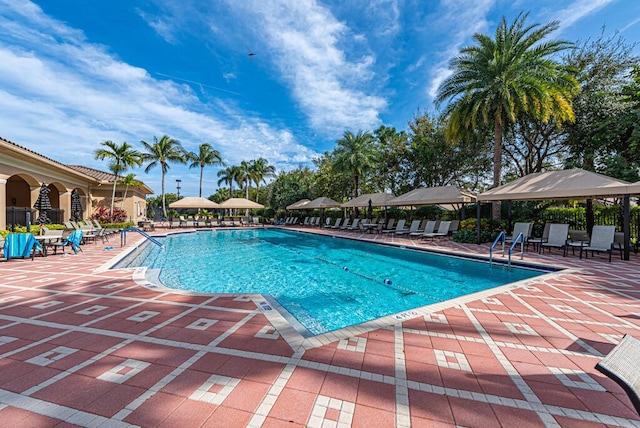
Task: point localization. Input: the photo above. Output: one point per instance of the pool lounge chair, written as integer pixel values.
(328, 224)
(390, 224)
(524, 228)
(602, 239)
(346, 224)
(621, 365)
(428, 229)
(443, 231)
(354, 225)
(415, 224)
(73, 241)
(399, 226)
(21, 245)
(338, 224)
(558, 234)
(537, 241)
(453, 227)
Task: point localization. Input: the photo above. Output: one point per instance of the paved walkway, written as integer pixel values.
(88, 347)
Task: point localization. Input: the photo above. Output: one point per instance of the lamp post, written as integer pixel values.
(178, 181)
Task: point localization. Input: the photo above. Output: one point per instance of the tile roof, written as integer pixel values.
(95, 173)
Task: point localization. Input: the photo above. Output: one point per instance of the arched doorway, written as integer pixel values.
(18, 200)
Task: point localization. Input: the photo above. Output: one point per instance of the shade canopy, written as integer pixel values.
(323, 202)
(434, 196)
(194, 202)
(300, 205)
(568, 183)
(377, 200)
(240, 203)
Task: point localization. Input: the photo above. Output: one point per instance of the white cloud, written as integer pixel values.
(62, 96)
(163, 27)
(578, 10)
(460, 20)
(304, 40)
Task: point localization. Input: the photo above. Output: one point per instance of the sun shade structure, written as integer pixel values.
(240, 203)
(322, 203)
(569, 183)
(194, 202)
(443, 195)
(377, 200)
(300, 205)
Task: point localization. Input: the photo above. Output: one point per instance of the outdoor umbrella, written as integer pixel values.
(43, 205)
(76, 206)
(322, 203)
(240, 203)
(300, 205)
(370, 210)
(194, 202)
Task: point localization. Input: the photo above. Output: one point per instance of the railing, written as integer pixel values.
(519, 238)
(501, 237)
(123, 236)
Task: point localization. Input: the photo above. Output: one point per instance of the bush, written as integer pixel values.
(121, 225)
(4, 233)
(485, 225)
(471, 236)
(103, 215)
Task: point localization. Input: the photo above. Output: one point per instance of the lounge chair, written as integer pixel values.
(602, 239)
(21, 245)
(422, 226)
(544, 238)
(415, 224)
(443, 231)
(390, 224)
(338, 224)
(453, 227)
(354, 225)
(346, 224)
(306, 221)
(183, 221)
(329, 226)
(399, 226)
(524, 228)
(73, 241)
(621, 365)
(428, 229)
(558, 234)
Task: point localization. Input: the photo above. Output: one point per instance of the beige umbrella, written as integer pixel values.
(300, 205)
(434, 196)
(194, 202)
(322, 203)
(240, 203)
(377, 200)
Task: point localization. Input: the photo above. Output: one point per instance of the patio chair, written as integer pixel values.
(330, 226)
(443, 231)
(390, 224)
(429, 228)
(21, 245)
(621, 365)
(338, 224)
(306, 221)
(354, 225)
(183, 221)
(423, 225)
(558, 234)
(415, 225)
(73, 241)
(346, 223)
(453, 227)
(524, 228)
(399, 226)
(602, 239)
(537, 241)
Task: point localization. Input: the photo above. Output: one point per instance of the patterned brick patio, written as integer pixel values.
(84, 346)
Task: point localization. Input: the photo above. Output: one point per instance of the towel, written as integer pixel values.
(20, 245)
(74, 240)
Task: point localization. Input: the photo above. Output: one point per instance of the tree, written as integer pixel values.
(392, 169)
(260, 170)
(128, 181)
(355, 154)
(497, 80)
(229, 175)
(243, 177)
(205, 156)
(162, 152)
(290, 187)
(121, 157)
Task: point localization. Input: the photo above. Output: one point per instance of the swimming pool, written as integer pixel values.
(325, 283)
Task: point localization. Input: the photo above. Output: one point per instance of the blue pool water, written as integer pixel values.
(325, 283)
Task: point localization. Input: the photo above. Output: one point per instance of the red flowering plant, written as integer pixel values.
(103, 215)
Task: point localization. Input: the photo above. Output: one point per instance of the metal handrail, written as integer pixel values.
(123, 236)
(504, 239)
(520, 238)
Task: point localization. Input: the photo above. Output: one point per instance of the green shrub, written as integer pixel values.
(123, 225)
(485, 225)
(471, 236)
(4, 233)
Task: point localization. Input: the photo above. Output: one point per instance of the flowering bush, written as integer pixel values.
(103, 215)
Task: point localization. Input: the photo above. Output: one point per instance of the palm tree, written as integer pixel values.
(355, 155)
(206, 156)
(121, 157)
(260, 170)
(497, 80)
(128, 181)
(228, 175)
(244, 176)
(162, 152)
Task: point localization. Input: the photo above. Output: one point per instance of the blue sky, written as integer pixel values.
(75, 73)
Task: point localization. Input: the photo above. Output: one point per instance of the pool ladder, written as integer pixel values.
(123, 236)
(502, 237)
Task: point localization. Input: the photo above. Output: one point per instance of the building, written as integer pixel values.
(22, 172)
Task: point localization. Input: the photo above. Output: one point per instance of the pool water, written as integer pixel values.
(325, 283)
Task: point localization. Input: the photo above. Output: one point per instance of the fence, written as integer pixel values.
(17, 216)
(578, 220)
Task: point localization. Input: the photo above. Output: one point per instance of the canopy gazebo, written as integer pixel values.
(240, 203)
(321, 203)
(300, 205)
(194, 202)
(447, 197)
(566, 184)
(376, 199)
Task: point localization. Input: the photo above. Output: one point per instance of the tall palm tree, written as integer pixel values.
(128, 181)
(355, 155)
(244, 176)
(162, 152)
(228, 176)
(497, 80)
(205, 156)
(121, 157)
(260, 170)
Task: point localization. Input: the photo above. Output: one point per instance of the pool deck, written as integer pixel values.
(84, 346)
